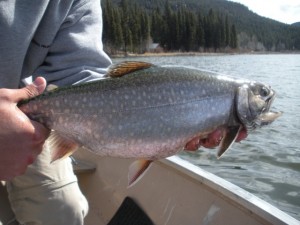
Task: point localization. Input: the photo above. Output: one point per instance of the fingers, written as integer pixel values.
(41, 132)
(30, 91)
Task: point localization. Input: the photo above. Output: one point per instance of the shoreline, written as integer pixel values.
(166, 54)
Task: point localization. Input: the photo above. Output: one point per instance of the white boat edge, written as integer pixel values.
(231, 191)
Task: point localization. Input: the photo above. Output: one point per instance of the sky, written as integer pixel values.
(285, 11)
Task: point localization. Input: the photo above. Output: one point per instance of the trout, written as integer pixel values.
(148, 112)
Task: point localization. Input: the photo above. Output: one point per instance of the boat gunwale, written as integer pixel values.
(249, 203)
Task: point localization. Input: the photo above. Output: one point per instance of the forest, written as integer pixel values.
(128, 27)
(192, 25)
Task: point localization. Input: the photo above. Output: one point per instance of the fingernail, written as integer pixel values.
(40, 84)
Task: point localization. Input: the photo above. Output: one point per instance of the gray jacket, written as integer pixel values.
(57, 39)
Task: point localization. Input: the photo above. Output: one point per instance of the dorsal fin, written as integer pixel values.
(126, 67)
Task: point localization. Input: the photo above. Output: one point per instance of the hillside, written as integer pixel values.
(254, 32)
(296, 24)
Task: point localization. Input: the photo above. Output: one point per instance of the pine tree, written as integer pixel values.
(209, 28)
(117, 34)
(227, 32)
(125, 25)
(200, 32)
(157, 26)
(167, 33)
(233, 37)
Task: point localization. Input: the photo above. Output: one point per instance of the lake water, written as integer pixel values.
(267, 164)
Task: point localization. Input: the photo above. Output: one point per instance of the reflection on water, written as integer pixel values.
(268, 162)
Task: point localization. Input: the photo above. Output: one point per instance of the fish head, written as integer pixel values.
(254, 101)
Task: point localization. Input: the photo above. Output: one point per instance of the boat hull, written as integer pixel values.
(173, 192)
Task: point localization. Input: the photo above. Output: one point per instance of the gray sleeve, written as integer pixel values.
(76, 54)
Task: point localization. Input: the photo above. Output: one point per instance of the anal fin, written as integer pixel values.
(136, 170)
(60, 147)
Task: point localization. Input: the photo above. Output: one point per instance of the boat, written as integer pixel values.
(172, 192)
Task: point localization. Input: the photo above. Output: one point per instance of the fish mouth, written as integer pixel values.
(266, 117)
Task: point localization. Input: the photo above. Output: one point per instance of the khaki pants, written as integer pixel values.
(47, 194)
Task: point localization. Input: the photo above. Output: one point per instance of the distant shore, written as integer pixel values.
(163, 54)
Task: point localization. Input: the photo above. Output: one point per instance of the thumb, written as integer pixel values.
(31, 90)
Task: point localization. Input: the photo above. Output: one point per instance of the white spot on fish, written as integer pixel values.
(60, 120)
(89, 130)
(57, 103)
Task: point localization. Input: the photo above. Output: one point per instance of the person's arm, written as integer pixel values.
(76, 53)
(21, 139)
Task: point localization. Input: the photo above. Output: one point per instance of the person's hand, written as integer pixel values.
(21, 139)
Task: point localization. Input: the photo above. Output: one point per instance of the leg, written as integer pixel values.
(6, 214)
(47, 193)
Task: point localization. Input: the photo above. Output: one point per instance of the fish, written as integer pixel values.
(147, 112)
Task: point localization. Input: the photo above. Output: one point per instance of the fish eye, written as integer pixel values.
(264, 91)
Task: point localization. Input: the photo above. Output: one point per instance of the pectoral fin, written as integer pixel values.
(126, 67)
(136, 170)
(61, 147)
(228, 139)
